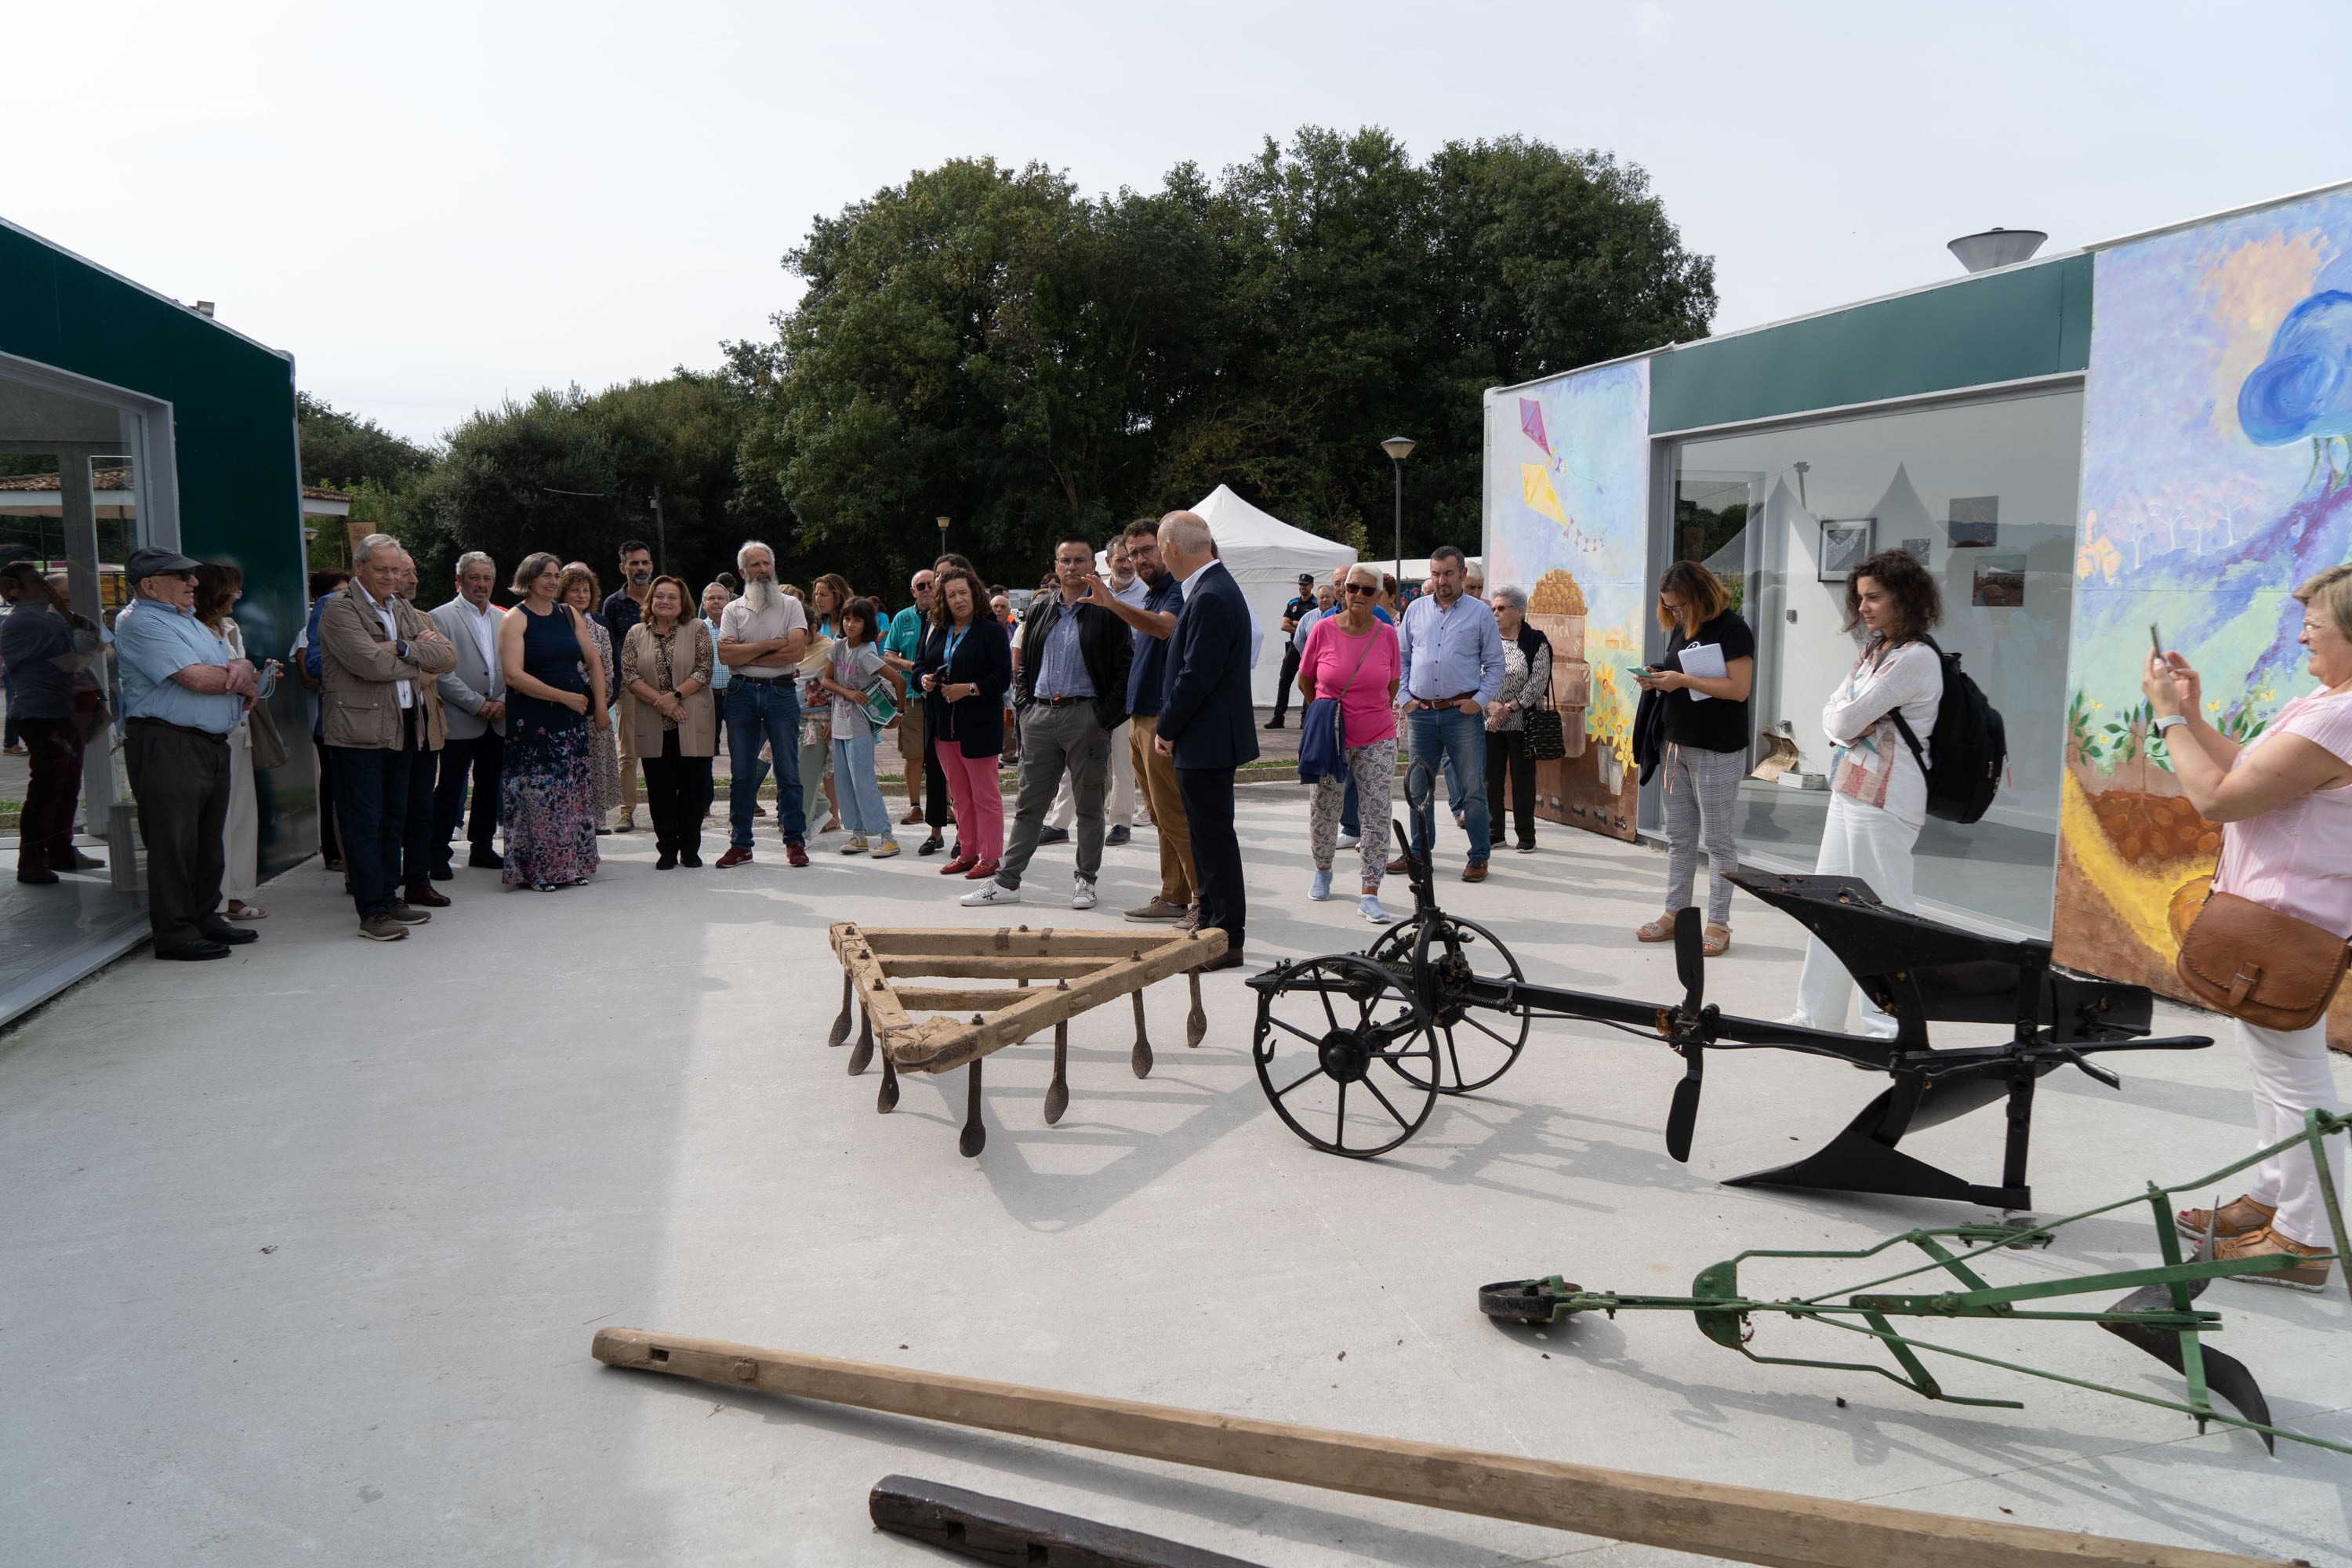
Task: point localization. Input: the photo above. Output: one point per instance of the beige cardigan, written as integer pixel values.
(690, 655)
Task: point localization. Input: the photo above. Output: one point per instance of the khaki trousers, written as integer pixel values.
(1155, 781)
(625, 732)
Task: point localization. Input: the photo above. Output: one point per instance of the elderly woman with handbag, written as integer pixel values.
(1526, 682)
(2269, 946)
(666, 662)
(1348, 673)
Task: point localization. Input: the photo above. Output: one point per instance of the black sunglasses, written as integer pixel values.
(1362, 588)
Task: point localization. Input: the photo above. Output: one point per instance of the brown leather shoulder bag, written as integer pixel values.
(2256, 965)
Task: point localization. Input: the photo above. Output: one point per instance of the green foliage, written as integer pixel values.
(990, 345)
(577, 474)
(340, 451)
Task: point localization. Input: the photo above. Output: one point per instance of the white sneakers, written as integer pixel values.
(1349, 840)
(1082, 895)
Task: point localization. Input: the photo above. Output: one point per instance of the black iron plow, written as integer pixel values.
(1353, 1049)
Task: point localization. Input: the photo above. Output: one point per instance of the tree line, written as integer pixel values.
(992, 346)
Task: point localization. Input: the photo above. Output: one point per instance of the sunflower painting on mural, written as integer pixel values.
(2217, 475)
(1565, 505)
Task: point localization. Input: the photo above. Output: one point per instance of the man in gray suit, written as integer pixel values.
(474, 700)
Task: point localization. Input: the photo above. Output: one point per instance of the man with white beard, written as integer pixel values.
(762, 637)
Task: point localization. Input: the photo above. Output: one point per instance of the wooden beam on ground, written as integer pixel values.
(998, 1530)
(1040, 1009)
(1747, 1524)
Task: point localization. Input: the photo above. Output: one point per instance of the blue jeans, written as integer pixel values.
(860, 791)
(760, 710)
(1453, 744)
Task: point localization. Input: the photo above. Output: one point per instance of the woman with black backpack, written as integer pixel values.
(1878, 779)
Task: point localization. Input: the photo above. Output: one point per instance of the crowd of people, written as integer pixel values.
(540, 727)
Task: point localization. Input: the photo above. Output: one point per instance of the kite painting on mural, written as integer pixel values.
(1566, 494)
(2217, 475)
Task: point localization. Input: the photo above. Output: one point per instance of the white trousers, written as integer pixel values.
(1118, 799)
(2292, 1075)
(241, 833)
(1868, 842)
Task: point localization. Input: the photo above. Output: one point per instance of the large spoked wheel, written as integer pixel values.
(1345, 1056)
(1474, 1046)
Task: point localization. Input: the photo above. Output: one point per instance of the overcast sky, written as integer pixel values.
(436, 205)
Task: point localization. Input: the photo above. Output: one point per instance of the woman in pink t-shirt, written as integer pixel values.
(2284, 801)
(1353, 657)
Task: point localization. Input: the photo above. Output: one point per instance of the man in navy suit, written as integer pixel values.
(1206, 723)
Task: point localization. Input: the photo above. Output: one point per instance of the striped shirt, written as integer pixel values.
(2297, 860)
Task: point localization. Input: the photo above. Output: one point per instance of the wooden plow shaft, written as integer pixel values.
(1747, 1524)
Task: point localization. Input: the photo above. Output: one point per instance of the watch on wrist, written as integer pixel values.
(2171, 722)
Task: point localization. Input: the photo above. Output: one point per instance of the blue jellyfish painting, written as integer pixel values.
(2303, 389)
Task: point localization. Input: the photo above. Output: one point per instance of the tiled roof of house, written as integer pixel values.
(117, 479)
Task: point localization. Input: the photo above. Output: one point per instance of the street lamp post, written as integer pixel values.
(943, 536)
(1399, 448)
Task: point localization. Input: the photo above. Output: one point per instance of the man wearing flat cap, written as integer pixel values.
(181, 695)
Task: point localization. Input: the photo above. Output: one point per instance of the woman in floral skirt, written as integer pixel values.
(555, 700)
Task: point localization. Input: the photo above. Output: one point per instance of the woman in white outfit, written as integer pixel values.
(2284, 802)
(1878, 790)
(218, 588)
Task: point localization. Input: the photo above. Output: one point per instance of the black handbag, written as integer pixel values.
(1546, 730)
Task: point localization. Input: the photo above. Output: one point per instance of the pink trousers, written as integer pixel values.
(979, 802)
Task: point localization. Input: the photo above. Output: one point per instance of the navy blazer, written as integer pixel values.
(984, 658)
(1207, 713)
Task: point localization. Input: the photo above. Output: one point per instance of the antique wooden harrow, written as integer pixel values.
(1053, 976)
(1353, 1049)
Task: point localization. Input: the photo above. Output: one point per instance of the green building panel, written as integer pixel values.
(2005, 326)
(233, 438)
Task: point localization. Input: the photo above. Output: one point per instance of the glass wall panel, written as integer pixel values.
(1984, 493)
(69, 501)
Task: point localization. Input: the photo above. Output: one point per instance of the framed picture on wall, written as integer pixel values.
(1922, 550)
(1999, 583)
(1975, 522)
(1844, 547)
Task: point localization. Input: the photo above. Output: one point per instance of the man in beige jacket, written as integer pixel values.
(382, 719)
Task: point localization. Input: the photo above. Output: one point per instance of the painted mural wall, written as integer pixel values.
(1567, 475)
(2217, 475)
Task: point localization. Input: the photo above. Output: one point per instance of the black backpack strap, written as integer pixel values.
(1902, 728)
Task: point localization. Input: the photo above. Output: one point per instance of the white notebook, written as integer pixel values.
(1704, 659)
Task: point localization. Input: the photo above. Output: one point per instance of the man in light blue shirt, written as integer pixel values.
(181, 695)
(1453, 655)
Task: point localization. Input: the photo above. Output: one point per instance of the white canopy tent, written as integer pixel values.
(1266, 556)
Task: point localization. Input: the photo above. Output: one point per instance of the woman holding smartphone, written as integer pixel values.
(1706, 732)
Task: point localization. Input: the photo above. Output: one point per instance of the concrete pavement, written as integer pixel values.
(305, 1249)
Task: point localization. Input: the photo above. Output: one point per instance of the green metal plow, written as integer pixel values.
(2159, 1315)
